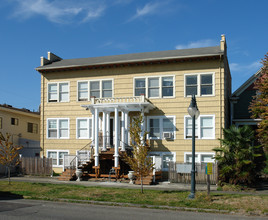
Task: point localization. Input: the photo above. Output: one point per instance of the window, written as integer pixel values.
(32, 128)
(57, 128)
(14, 121)
(154, 87)
(84, 128)
(158, 125)
(200, 157)
(58, 92)
(204, 127)
(57, 156)
(199, 84)
(96, 88)
(162, 159)
(1, 123)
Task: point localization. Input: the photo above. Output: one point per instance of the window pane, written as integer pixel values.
(52, 92)
(82, 123)
(64, 94)
(63, 133)
(139, 83)
(189, 158)
(64, 97)
(206, 90)
(52, 124)
(154, 122)
(168, 125)
(94, 85)
(155, 128)
(206, 122)
(107, 93)
(107, 85)
(191, 80)
(63, 87)
(139, 92)
(167, 91)
(206, 132)
(83, 95)
(207, 158)
(61, 156)
(166, 160)
(52, 133)
(63, 123)
(83, 86)
(154, 92)
(167, 81)
(206, 79)
(52, 88)
(191, 90)
(154, 82)
(95, 93)
(82, 133)
(53, 155)
(82, 90)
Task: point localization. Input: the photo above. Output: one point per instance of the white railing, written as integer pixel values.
(130, 99)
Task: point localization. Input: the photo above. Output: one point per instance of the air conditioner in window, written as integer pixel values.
(167, 135)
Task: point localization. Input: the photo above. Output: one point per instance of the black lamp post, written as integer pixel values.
(194, 113)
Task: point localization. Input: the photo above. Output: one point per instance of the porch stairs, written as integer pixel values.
(67, 175)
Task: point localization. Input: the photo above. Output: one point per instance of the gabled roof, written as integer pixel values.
(133, 58)
(22, 111)
(247, 84)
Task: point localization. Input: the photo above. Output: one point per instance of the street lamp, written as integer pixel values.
(194, 113)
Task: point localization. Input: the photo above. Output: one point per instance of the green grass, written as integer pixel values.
(150, 198)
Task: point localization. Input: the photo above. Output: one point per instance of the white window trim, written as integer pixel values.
(88, 84)
(199, 127)
(161, 154)
(58, 130)
(199, 83)
(89, 133)
(58, 91)
(199, 155)
(161, 126)
(57, 151)
(160, 86)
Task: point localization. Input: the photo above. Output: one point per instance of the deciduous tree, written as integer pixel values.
(139, 161)
(8, 153)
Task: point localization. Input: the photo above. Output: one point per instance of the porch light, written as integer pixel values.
(194, 113)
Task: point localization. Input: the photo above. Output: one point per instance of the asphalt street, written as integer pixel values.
(11, 209)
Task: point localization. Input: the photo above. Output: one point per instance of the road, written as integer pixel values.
(43, 210)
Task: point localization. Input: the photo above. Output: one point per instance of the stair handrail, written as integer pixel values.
(88, 151)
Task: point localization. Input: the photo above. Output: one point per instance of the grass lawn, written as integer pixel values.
(243, 204)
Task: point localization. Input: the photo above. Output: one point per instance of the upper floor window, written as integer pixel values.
(58, 92)
(32, 128)
(204, 127)
(200, 84)
(84, 128)
(58, 128)
(96, 88)
(154, 87)
(161, 127)
(14, 121)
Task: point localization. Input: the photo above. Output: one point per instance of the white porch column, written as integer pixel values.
(108, 129)
(126, 128)
(123, 131)
(93, 126)
(104, 131)
(96, 155)
(116, 142)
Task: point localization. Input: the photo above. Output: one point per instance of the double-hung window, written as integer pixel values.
(84, 128)
(32, 128)
(200, 84)
(200, 157)
(96, 88)
(57, 157)
(204, 127)
(154, 87)
(58, 128)
(58, 92)
(161, 127)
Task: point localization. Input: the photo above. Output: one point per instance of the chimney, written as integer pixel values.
(44, 61)
(223, 43)
(52, 57)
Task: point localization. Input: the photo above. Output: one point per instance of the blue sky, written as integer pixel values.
(89, 28)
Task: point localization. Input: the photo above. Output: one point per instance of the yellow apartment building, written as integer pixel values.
(23, 126)
(90, 102)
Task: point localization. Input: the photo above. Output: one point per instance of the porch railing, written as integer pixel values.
(119, 100)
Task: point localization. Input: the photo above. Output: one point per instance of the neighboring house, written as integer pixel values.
(92, 100)
(240, 102)
(23, 126)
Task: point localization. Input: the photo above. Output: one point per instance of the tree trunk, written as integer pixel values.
(141, 184)
(8, 171)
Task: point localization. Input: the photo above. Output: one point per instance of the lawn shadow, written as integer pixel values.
(9, 196)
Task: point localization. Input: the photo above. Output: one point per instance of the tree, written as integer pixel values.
(139, 161)
(8, 153)
(259, 105)
(240, 162)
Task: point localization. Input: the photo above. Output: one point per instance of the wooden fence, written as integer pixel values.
(36, 166)
(185, 177)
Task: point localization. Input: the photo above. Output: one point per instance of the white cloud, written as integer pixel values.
(148, 9)
(58, 11)
(246, 68)
(197, 44)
